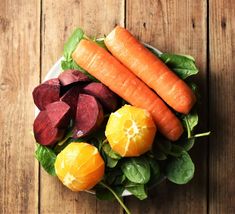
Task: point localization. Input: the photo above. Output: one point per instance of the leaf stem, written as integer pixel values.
(86, 37)
(105, 141)
(117, 197)
(188, 128)
(202, 134)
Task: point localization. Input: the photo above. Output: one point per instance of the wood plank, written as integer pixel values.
(178, 27)
(59, 20)
(19, 73)
(222, 103)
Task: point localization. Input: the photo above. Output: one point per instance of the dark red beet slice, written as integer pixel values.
(89, 115)
(44, 132)
(107, 98)
(71, 98)
(68, 77)
(46, 93)
(59, 114)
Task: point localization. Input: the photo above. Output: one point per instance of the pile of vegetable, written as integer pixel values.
(102, 107)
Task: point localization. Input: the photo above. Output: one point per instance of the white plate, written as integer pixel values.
(55, 71)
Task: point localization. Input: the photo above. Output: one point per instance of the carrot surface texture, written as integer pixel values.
(106, 68)
(150, 69)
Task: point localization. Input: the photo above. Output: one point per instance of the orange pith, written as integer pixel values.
(130, 131)
(79, 166)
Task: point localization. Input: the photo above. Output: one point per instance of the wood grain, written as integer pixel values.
(59, 19)
(222, 106)
(19, 72)
(178, 27)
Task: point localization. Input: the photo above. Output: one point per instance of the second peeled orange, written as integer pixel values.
(79, 166)
(130, 131)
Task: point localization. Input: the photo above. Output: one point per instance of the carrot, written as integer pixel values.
(106, 68)
(144, 64)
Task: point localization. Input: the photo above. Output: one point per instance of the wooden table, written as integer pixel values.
(32, 33)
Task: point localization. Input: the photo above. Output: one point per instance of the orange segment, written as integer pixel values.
(130, 131)
(79, 166)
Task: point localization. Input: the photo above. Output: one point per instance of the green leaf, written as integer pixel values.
(108, 150)
(193, 86)
(101, 43)
(187, 143)
(154, 167)
(183, 66)
(159, 155)
(155, 177)
(116, 196)
(137, 190)
(47, 158)
(164, 145)
(65, 65)
(136, 170)
(105, 194)
(111, 163)
(190, 121)
(180, 170)
(176, 150)
(119, 179)
(113, 176)
(72, 42)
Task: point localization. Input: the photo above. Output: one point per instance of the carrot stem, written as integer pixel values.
(117, 197)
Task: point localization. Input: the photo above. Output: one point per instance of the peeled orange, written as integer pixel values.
(130, 131)
(79, 166)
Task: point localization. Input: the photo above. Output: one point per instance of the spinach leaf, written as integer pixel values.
(111, 157)
(193, 86)
(154, 167)
(101, 43)
(187, 143)
(73, 65)
(137, 190)
(108, 150)
(116, 196)
(119, 179)
(47, 158)
(159, 155)
(183, 66)
(180, 170)
(136, 170)
(114, 176)
(190, 121)
(72, 42)
(176, 150)
(111, 163)
(156, 176)
(105, 194)
(163, 145)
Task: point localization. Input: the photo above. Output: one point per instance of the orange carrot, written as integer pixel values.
(144, 64)
(103, 66)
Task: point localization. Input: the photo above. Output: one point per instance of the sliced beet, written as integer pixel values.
(44, 132)
(106, 97)
(71, 98)
(59, 113)
(68, 77)
(89, 115)
(46, 93)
